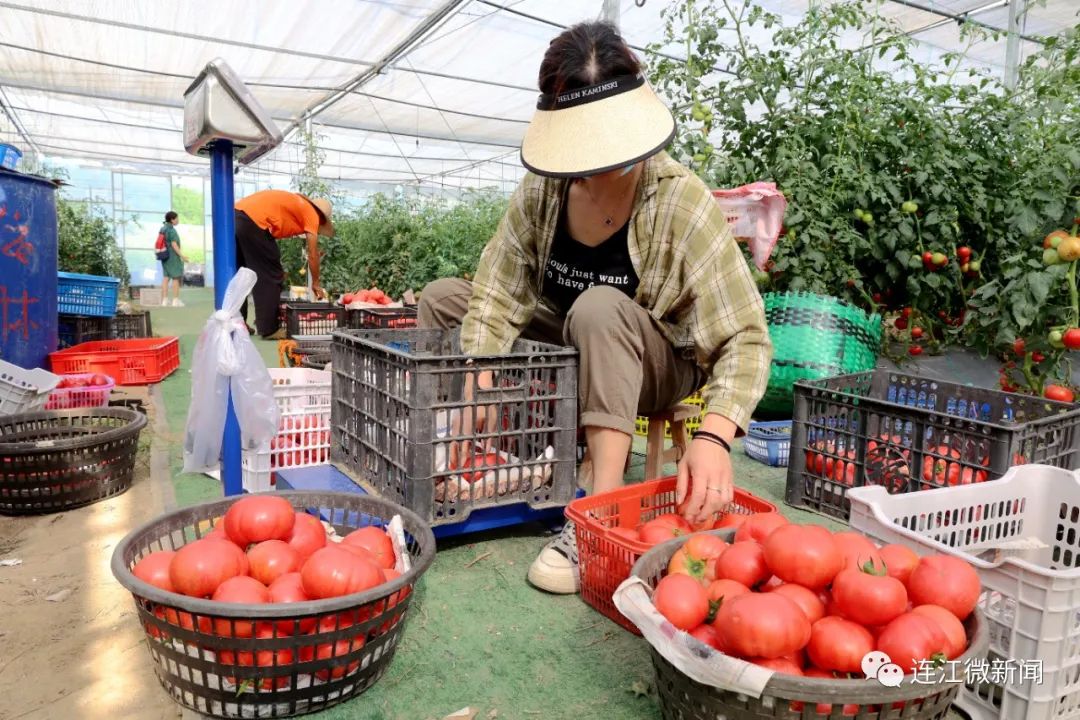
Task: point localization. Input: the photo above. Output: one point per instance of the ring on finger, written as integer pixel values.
(715, 489)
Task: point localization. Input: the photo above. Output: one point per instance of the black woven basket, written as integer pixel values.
(63, 459)
(316, 361)
(800, 698)
(283, 671)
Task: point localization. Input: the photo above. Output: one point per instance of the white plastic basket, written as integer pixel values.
(23, 390)
(303, 439)
(86, 396)
(1022, 534)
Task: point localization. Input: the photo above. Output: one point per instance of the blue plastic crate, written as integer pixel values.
(91, 295)
(769, 442)
(327, 478)
(9, 156)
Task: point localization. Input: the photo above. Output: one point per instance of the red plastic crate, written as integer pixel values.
(139, 361)
(605, 559)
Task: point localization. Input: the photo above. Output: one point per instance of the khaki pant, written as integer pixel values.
(626, 367)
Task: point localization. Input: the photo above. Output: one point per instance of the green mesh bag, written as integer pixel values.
(815, 337)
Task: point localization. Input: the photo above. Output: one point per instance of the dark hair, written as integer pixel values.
(584, 55)
(170, 216)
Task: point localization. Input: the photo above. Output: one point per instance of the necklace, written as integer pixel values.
(608, 220)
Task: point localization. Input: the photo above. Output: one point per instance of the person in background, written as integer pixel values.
(173, 267)
(262, 219)
(615, 249)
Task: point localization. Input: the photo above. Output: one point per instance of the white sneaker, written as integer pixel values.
(176, 303)
(556, 567)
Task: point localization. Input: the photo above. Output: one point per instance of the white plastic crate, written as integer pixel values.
(86, 396)
(1022, 534)
(303, 439)
(23, 390)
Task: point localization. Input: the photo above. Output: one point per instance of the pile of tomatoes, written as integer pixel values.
(300, 441)
(265, 553)
(672, 525)
(374, 296)
(889, 462)
(78, 390)
(802, 600)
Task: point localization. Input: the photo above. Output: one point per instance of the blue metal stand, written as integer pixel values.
(222, 204)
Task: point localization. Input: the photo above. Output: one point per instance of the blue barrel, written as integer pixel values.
(28, 256)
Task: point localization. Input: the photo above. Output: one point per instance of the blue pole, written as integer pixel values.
(221, 205)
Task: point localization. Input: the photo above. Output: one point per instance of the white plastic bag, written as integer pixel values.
(755, 213)
(224, 357)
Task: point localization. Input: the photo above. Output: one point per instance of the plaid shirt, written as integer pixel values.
(694, 281)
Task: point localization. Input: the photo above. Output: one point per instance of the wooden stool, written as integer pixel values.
(656, 455)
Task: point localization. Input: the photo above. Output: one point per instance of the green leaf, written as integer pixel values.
(1039, 285)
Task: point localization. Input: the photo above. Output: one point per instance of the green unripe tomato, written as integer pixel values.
(909, 207)
(1050, 257)
(1055, 339)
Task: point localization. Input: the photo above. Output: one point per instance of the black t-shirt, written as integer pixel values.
(573, 267)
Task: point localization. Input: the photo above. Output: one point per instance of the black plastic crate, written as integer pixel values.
(396, 392)
(76, 329)
(396, 318)
(308, 318)
(130, 326)
(909, 433)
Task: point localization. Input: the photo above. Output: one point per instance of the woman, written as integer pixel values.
(612, 247)
(172, 268)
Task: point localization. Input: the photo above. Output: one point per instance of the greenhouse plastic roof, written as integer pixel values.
(435, 93)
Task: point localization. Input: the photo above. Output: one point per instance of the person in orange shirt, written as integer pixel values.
(261, 220)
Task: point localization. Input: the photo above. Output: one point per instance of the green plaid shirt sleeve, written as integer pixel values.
(726, 319)
(504, 294)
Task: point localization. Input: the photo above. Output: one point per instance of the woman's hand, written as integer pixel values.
(471, 420)
(705, 471)
(705, 483)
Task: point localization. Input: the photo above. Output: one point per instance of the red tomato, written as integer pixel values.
(361, 552)
(663, 528)
(271, 559)
(154, 569)
(289, 588)
(307, 535)
(910, 639)
(340, 650)
(955, 635)
(744, 562)
(279, 659)
(939, 471)
(838, 644)
(347, 298)
(899, 561)
(724, 589)
(857, 550)
(100, 380)
(682, 600)
(729, 520)
(708, 635)
(803, 554)
(759, 525)
(1059, 393)
(946, 581)
(770, 584)
(332, 571)
(484, 463)
(807, 600)
(200, 566)
(697, 558)
(255, 518)
(762, 625)
(625, 533)
(241, 590)
(867, 598)
(376, 541)
(780, 665)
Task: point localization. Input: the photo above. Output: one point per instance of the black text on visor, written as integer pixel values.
(592, 93)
